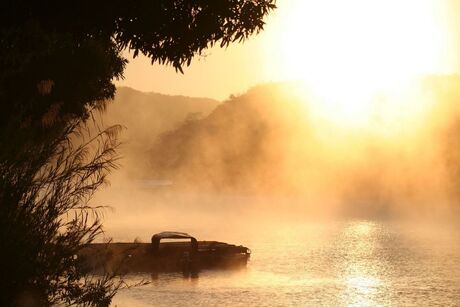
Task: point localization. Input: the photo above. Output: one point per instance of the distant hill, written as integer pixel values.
(268, 141)
(146, 115)
(244, 143)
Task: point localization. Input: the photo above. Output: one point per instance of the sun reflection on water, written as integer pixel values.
(361, 276)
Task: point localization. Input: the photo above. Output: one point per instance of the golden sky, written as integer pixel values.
(333, 45)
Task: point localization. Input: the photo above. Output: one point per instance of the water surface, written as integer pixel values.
(346, 263)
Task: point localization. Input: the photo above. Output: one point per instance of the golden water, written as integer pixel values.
(344, 263)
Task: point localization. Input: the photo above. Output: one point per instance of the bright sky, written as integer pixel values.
(334, 45)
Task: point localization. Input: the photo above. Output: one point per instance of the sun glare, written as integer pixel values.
(348, 51)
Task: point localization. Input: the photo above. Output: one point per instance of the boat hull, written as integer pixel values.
(170, 257)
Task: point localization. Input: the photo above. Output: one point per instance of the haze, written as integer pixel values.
(339, 111)
(365, 127)
(329, 143)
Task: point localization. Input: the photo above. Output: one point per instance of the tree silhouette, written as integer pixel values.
(75, 47)
(57, 63)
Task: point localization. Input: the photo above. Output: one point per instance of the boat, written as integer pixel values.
(168, 252)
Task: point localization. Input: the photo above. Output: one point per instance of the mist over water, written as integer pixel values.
(271, 150)
(358, 213)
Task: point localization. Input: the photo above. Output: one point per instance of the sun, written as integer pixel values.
(346, 52)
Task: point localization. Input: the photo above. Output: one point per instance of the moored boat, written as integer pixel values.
(167, 252)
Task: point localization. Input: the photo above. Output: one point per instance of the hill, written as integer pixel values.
(245, 143)
(145, 116)
(268, 141)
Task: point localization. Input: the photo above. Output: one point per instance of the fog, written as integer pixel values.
(269, 157)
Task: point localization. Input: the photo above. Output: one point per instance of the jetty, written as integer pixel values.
(167, 252)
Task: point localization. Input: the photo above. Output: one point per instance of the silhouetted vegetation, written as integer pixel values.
(45, 219)
(57, 63)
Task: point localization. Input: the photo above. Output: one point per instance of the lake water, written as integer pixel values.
(346, 263)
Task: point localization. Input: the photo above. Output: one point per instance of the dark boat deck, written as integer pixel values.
(164, 257)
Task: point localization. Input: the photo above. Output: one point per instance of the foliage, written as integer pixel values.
(75, 47)
(57, 64)
(45, 219)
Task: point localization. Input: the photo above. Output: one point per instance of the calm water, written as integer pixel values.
(356, 263)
